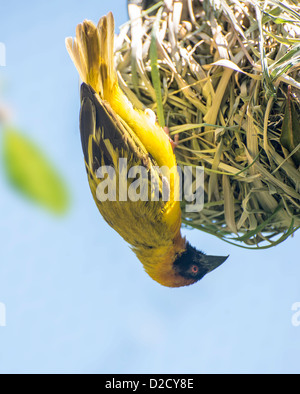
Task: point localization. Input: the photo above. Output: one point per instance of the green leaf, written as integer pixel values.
(270, 88)
(155, 70)
(30, 172)
(290, 132)
(282, 65)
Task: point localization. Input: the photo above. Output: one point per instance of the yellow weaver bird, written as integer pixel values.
(112, 129)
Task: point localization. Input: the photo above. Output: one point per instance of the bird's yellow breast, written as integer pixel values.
(157, 143)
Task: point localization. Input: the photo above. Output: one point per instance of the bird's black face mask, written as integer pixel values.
(193, 264)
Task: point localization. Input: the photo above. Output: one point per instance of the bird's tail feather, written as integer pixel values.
(92, 51)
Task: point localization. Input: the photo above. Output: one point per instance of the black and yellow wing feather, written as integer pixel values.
(105, 139)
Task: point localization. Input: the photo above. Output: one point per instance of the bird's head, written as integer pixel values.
(186, 268)
(192, 264)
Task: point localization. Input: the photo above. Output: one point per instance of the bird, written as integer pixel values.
(112, 129)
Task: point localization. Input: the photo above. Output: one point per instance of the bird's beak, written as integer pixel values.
(212, 262)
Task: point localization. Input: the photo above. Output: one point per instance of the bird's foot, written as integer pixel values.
(174, 142)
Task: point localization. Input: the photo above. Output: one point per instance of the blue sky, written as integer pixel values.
(77, 299)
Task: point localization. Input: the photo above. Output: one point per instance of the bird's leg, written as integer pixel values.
(174, 142)
(153, 119)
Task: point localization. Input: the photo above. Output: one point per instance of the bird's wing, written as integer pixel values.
(105, 139)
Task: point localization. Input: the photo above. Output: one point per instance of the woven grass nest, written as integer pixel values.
(225, 77)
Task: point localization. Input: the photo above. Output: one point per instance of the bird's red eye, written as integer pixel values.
(194, 269)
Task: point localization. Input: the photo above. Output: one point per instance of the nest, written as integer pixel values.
(224, 77)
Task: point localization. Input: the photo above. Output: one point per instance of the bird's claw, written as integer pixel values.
(174, 142)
